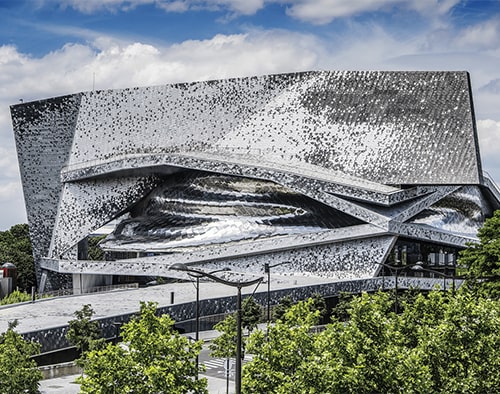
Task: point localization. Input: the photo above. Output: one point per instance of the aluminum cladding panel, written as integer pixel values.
(386, 127)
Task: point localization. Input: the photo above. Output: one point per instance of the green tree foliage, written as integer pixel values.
(319, 304)
(154, 358)
(439, 344)
(15, 297)
(279, 358)
(83, 332)
(224, 346)
(251, 313)
(482, 260)
(283, 306)
(18, 372)
(15, 248)
(341, 309)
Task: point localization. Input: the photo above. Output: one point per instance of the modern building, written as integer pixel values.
(334, 173)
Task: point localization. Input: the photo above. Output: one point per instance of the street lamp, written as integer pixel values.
(197, 309)
(239, 285)
(267, 270)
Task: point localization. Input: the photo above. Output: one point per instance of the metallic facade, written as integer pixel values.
(332, 172)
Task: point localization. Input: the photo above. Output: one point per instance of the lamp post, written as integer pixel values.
(197, 308)
(239, 285)
(267, 270)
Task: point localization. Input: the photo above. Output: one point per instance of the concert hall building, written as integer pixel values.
(335, 173)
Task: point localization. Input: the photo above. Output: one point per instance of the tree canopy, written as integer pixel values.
(18, 372)
(482, 260)
(224, 346)
(440, 343)
(153, 358)
(15, 248)
(83, 332)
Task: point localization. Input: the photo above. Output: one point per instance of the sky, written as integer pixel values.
(50, 48)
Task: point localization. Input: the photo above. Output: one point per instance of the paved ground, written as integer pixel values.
(55, 312)
(67, 385)
(215, 374)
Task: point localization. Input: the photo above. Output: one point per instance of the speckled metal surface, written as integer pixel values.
(395, 152)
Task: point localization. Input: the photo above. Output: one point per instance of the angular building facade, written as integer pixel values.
(334, 173)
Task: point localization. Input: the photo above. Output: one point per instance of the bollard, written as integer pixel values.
(32, 293)
(171, 297)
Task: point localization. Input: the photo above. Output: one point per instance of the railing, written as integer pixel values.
(97, 289)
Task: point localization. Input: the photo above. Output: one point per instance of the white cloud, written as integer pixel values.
(9, 190)
(481, 36)
(324, 11)
(91, 6)
(489, 137)
(314, 11)
(245, 7)
(489, 143)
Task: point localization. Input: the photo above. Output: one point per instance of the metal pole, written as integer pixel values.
(197, 335)
(227, 376)
(268, 270)
(238, 285)
(238, 343)
(453, 273)
(396, 296)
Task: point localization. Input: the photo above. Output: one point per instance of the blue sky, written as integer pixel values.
(55, 47)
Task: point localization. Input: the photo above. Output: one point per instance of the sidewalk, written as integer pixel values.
(67, 385)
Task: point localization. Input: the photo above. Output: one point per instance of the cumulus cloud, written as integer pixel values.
(489, 136)
(91, 6)
(489, 141)
(482, 36)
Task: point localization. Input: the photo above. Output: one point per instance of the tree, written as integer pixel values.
(94, 250)
(83, 332)
(251, 313)
(283, 306)
(319, 304)
(224, 346)
(458, 341)
(440, 343)
(279, 356)
(18, 372)
(341, 309)
(482, 260)
(15, 248)
(153, 358)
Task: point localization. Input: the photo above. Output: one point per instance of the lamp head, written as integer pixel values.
(178, 267)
